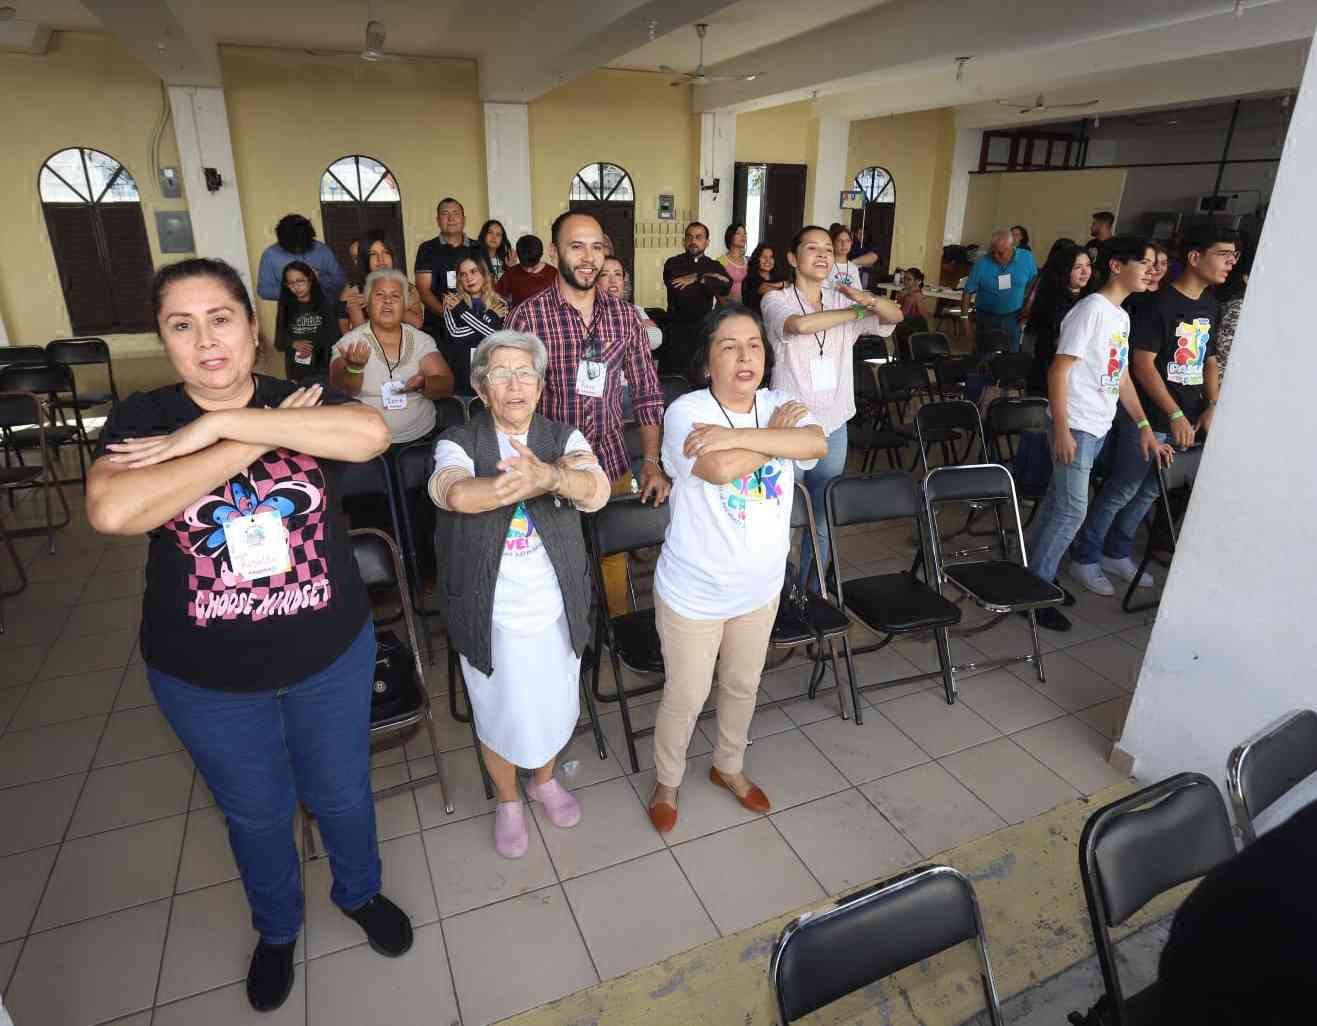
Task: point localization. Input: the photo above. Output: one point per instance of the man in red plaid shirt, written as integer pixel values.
(593, 340)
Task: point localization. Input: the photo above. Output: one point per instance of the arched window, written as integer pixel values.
(878, 218)
(358, 194)
(605, 192)
(98, 236)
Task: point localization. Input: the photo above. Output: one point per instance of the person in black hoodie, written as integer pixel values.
(305, 327)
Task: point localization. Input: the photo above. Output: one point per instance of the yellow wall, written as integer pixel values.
(290, 117)
(780, 135)
(86, 91)
(917, 150)
(640, 123)
(1051, 204)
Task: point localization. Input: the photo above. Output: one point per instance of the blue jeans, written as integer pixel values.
(259, 751)
(816, 481)
(1007, 322)
(1126, 495)
(1064, 507)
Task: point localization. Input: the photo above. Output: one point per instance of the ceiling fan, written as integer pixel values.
(1038, 106)
(698, 76)
(374, 51)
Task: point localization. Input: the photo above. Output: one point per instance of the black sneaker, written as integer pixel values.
(1069, 598)
(270, 977)
(388, 930)
(1053, 619)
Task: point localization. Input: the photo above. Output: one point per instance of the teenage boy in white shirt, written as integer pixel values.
(1087, 379)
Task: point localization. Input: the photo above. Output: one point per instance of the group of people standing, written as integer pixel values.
(256, 628)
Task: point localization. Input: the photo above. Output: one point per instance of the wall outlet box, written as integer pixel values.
(171, 183)
(666, 206)
(174, 229)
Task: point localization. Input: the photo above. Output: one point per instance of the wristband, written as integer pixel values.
(654, 460)
(861, 311)
(1176, 415)
(1143, 424)
(354, 370)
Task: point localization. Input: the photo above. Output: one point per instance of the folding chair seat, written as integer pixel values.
(1268, 765)
(85, 352)
(1164, 531)
(865, 937)
(625, 525)
(805, 616)
(890, 604)
(1002, 584)
(1137, 848)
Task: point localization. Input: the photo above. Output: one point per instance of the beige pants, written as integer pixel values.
(690, 649)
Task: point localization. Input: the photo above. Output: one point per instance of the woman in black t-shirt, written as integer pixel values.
(762, 277)
(305, 329)
(256, 629)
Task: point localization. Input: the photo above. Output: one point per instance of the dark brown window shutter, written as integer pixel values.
(387, 217)
(73, 238)
(342, 225)
(130, 264)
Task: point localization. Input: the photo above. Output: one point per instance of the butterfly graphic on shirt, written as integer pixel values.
(205, 520)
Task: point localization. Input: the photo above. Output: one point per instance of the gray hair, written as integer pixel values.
(387, 274)
(523, 340)
(1002, 235)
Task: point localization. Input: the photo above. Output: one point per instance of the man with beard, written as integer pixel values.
(595, 342)
(694, 283)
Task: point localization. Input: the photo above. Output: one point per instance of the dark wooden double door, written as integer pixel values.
(781, 206)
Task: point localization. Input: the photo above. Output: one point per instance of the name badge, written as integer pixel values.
(452, 279)
(823, 374)
(258, 545)
(591, 376)
(303, 358)
(1003, 282)
(392, 394)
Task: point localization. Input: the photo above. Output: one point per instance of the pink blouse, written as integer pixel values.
(737, 273)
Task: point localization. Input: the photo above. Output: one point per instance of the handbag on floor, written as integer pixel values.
(393, 692)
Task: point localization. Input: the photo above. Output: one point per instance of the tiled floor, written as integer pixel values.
(119, 899)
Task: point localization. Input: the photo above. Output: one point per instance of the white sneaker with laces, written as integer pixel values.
(1125, 569)
(1090, 575)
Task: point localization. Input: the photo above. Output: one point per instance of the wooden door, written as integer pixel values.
(878, 222)
(784, 207)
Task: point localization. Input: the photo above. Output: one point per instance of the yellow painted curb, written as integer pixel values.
(1027, 879)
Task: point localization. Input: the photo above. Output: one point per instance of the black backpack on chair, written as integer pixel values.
(393, 692)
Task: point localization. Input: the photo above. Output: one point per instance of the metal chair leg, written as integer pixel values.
(626, 711)
(836, 675)
(454, 676)
(438, 760)
(948, 667)
(1037, 652)
(593, 710)
(856, 707)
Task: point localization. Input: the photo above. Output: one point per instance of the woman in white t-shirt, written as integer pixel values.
(846, 271)
(525, 700)
(731, 451)
(812, 329)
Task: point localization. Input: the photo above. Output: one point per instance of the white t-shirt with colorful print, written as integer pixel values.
(526, 594)
(1097, 333)
(726, 547)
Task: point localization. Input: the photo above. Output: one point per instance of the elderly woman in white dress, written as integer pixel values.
(514, 579)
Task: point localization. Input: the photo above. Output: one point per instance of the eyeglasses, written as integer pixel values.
(503, 375)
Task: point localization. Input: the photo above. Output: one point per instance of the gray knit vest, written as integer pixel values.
(469, 546)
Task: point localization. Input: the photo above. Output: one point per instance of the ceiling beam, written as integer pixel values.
(171, 36)
(908, 37)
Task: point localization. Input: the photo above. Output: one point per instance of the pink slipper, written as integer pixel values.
(562, 809)
(510, 837)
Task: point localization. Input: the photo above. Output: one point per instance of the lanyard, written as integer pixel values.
(820, 338)
(759, 473)
(383, 355)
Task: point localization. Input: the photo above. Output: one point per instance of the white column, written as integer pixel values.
(830, 171)
(201, 125)
(4, 335)
(964, 159)
(717, 160)
(1234, 646)
(507, 166)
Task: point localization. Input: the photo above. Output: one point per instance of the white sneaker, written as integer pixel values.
(1090, 575)
(1125, 569)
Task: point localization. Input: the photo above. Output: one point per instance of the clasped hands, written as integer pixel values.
(525, 474)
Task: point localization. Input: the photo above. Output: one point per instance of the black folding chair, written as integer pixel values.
(85, 352)
(624, 525)
(370, 480)
(23, 410)
(994, 340)
(889, 604)
(49, 382)
(1011, 370)
(16, 356)
(1002, 585)
(413, 466)
(1268, 765)
(1164, 530)
(1137, 848)
(867, 936)
(900, 387)
(804, 615)
(674, 386)
(927, 347)
(952, 374)
(945, 423)
(449, 411)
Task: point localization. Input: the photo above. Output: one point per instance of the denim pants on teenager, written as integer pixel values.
(259, 751)
(1064, 507)
(1127, 493)
(815, 480)
(1007, 322)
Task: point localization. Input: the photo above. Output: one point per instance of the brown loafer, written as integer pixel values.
(754, 799)
(663, 815)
